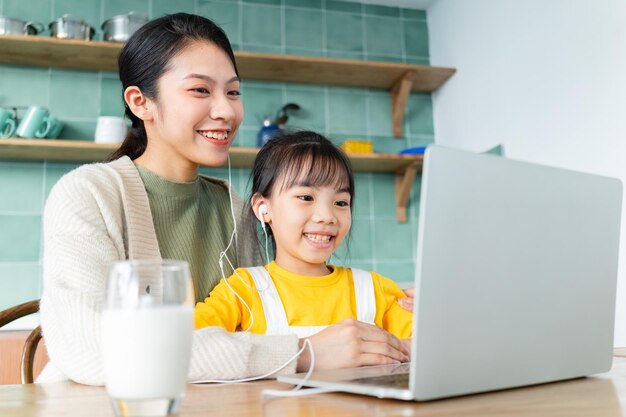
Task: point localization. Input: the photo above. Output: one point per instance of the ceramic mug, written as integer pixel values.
(110, 129)
(8, 123)
(51, 128)
(32, 122)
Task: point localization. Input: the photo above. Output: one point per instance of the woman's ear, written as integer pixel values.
(138, 103)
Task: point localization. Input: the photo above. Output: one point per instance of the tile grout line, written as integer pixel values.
(372, 216)
(283, 47)
(324, 32)
(240, 21)
(20, 213)
(364, 34)
(403, 40)
(43, 205)
(283, 29)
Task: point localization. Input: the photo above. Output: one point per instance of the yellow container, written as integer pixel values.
(357, 146)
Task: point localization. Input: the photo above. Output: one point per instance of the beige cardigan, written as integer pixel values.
(99, 213)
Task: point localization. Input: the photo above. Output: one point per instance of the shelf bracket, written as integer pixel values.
(399, 96)
(403, 185)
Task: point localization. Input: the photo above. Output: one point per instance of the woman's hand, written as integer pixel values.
(407, 302)
(351, 343)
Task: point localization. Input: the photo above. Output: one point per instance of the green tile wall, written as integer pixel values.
(303, 27)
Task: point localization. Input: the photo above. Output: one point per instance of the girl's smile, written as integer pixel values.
(320, 240)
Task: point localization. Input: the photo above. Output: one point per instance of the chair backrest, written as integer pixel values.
(30, 346)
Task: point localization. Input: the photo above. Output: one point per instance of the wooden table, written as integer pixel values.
(595, 396)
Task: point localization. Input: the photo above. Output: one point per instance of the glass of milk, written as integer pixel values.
(147, 325)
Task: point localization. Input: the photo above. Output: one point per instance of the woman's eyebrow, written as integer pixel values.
(208, 78)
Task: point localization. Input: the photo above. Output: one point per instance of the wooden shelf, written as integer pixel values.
(399, 79)
(404, 167)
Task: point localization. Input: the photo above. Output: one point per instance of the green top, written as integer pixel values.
(193, 223)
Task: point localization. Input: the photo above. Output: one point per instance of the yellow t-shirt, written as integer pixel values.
(308, 301)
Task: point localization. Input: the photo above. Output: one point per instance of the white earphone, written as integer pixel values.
(262, 212)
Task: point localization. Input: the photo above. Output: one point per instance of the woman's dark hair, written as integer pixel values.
(147, 56)
(299, 158)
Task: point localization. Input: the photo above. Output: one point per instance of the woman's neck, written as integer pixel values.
(165, 165)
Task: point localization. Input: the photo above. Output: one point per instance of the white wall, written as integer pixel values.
(545, 78)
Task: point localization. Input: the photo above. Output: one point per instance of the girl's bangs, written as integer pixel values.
(314, 169)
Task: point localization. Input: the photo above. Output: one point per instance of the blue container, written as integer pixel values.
(414, 151)
(266, 133)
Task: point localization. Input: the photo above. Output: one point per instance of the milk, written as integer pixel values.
(146, 351)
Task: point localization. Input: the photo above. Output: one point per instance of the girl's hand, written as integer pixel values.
(351, 343)
(407, 302)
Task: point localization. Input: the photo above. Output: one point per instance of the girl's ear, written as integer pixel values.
(138, 103)
(260, 207)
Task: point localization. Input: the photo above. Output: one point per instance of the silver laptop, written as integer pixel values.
(516, 275)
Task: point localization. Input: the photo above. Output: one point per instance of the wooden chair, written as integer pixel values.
(30, 346)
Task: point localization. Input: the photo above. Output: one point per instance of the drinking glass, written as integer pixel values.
(147, 326)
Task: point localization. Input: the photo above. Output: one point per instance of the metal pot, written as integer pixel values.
(11, 26)
(120, 28)
(71, 27)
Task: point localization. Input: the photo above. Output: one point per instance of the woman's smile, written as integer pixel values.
(218, 138)
(213, 134)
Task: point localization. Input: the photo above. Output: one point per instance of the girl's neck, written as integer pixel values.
(301, 268)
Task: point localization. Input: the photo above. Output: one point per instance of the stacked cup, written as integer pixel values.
(39, 123)
(8, 122)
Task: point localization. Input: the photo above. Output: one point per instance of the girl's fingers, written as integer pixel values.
(407, 302)
(371, 359)
(385, 353)
(351, 343)
(371, 333)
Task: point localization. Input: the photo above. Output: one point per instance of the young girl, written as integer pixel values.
(182, 94)
(302, 190)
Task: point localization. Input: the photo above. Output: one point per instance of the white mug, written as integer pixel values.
(110, 129)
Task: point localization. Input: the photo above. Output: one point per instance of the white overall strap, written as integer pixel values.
(364, 295)
(275, 317)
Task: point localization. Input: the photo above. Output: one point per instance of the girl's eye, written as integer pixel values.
(201, 90)
(343, 203)
(234, 93)
(305, 197)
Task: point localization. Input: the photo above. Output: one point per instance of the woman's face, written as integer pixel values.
(198, 108)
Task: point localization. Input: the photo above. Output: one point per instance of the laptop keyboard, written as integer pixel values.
(390, 381)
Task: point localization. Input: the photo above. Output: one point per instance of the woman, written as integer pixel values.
(181, 89)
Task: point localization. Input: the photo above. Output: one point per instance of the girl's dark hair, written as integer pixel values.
(147, 56)
(303, 158)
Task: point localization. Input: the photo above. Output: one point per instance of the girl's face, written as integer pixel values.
(198, 110)
(308, 223)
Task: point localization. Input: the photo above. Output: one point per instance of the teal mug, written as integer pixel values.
(32, 122)
(8, 123)
(51, 128)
